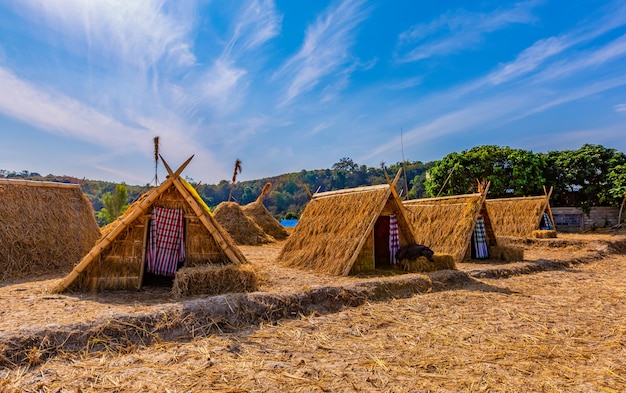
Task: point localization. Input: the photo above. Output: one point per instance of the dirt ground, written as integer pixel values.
(560, 329)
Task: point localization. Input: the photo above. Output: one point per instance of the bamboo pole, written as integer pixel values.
(146, 222)
(33, 183)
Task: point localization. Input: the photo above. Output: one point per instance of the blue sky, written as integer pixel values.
(86, 85)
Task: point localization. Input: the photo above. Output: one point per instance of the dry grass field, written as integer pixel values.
(555, 322)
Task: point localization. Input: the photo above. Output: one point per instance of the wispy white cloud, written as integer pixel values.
(257, 23)
(325, 51)
(138, 33)
(66, 117)
(457, 31)
(620, 108)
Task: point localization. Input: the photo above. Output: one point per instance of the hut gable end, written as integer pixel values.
(335, 226)
(117, 261)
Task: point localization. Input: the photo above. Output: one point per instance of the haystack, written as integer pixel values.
(348, 231)
(118, 260)
(242, 229)
(520, 216)
(258, 213)
(446, 224)
(45, 227)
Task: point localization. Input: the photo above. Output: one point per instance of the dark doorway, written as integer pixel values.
(382, 258)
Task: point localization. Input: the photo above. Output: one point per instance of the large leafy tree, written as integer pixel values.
(510, 171)
(582, 177)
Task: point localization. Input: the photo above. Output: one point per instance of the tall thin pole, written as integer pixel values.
(406, 182)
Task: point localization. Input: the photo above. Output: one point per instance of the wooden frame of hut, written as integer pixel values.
(45, 227)
(446, 224)
(520, 216)
(118, 260)
(347, 231)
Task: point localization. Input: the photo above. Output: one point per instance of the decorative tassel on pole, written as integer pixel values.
(237, 170)
(156, 160)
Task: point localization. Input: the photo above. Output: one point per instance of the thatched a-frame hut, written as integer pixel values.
(348, 231)
(119, 258)
(447, 224)
(258, 213)
(45, 227)
(240, 227)
(521, 216)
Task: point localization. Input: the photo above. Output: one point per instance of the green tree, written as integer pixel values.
(617, 179)
(510, 171)
(114, 205)
(581, 177)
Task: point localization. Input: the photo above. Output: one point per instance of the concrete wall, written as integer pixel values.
(572, 219)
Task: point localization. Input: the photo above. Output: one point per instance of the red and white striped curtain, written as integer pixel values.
(166, 243)
(394, 239)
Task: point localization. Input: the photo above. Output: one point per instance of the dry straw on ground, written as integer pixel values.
(423, 265)
(214, 280)
(45, 227)
(543, 234)
(242, 229)
(555, 331)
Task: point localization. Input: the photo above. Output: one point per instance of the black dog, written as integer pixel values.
(414, 251)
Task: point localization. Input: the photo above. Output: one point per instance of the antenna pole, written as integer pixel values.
(406, 182)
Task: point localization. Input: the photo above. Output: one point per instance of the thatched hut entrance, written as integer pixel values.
(348, 231)
(382, 254)
(122, 257)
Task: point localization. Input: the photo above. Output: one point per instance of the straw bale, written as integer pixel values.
(242, 229)
(506, 253)
(443, 224)
(258, 213)
(516, 217)
(331, 228)
(214, 280)
(423, 265)
(543, 234)
(45, 228)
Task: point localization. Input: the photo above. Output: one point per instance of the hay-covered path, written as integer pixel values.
(557, 330)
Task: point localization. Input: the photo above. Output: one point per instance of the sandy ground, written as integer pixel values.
(552, 331)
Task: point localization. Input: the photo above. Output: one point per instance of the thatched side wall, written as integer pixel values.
(45, 228)
(242, 229)
(444, 224)
(259, 214)
(516, 217)
(329, 231)
(119, 266)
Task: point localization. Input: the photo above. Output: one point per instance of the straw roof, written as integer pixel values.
(446, 224)
(117, 259)
(242, 229)
(518, 217)
(335, 225)
(259, 214)
(45, 227)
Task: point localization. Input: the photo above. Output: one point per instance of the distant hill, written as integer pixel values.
(287, 196)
